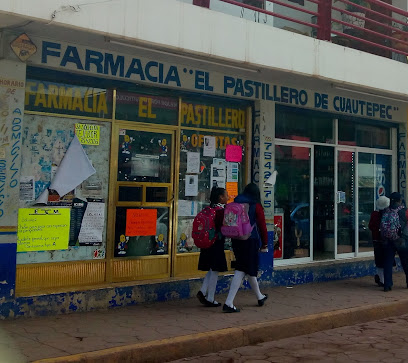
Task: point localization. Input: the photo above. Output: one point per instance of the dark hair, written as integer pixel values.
(395, 197)
(216, 193)
(252, 191)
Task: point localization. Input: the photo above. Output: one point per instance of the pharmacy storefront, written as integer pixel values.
(119, 153)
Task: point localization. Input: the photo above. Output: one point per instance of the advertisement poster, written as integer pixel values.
(88, 134)
(77, 214)
(191, 188)
(193, 163)
(232, 172)
(92, 225)
(27, 188)
(43, 229)
(278, 237)
(209, 146)
(141, 222)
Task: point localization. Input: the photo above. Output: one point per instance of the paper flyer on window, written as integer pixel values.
(191, 187)
(193, 163)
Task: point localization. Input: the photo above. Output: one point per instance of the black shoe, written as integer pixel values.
(227, 309)
(201, 297)
(262, 301)
(377, 280)
(212, 304)
(387, 288)
(380, 284)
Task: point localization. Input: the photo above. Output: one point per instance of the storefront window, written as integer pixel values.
(357, 134)
(68, 99)
(44, 145)
(146, 108)
(144, 156)
(208, 158)
(292, 199)
(303, 125)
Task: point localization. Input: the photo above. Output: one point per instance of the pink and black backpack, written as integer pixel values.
(236, 222)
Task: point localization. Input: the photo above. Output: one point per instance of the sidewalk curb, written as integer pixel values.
(165, 350)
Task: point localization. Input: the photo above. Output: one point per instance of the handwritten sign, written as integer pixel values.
(233, 153)
(42, 229)
(141, 222)
(88, 134)
(232, 190)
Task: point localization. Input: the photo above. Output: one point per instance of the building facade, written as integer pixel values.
(136, 120)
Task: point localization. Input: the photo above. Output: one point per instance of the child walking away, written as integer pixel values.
(246, 250)
(375, 224)
(394, 233)
(212, 258)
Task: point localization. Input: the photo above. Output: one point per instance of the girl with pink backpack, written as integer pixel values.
(247, 247)
(212, 259)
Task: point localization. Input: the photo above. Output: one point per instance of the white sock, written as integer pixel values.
(235, 285)
(212, 284)
(255, 287)
(380, 273)
(204, 286)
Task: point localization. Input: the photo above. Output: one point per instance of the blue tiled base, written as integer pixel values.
(112, 297)
(7, 270)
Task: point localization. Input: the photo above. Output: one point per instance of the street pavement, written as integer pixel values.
(384, 340)
(63, 335)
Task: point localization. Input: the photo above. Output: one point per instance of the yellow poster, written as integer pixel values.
(42, 229)
(88, 134)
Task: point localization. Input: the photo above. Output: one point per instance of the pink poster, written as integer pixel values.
(233, 153)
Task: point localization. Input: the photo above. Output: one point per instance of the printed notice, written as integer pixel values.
(209, 146)
(218, 171)
(42, 229)
(232, 172)
(187, 208)
(233, 153)
(191, 188)
(92, 225)
(232, 190)
(141, 222)
(193, 163)
(27, 188)
(88, 134)
(218, 182)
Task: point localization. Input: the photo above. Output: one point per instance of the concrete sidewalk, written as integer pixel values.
(176, 329)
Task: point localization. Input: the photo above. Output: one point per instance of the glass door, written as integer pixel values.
(143, 203)
(374, 180)
(293, 203)
(323, 211)
(345, 201)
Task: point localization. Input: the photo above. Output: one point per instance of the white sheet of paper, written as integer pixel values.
(191, 189)
(219, 162)
(209, 146)
(27, 188)
(218, 182)
(92, 223)
(232, 172)
(75, 167)
(187, 208)
(217, 171)
(193, 163)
